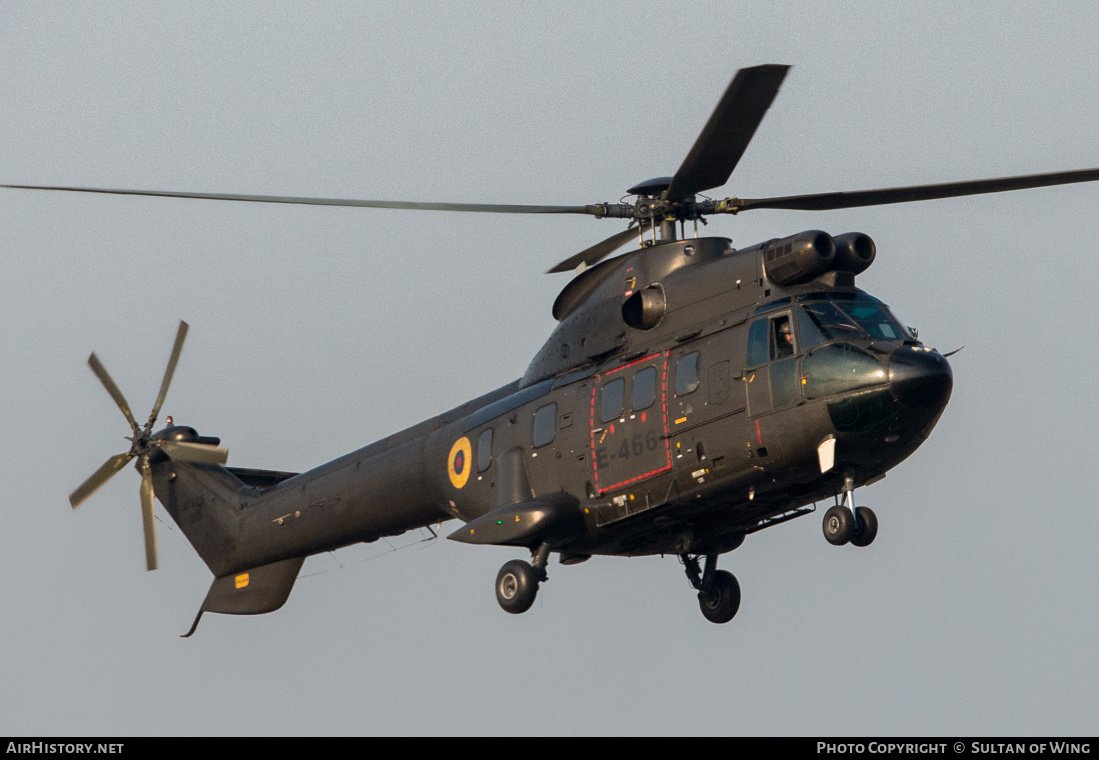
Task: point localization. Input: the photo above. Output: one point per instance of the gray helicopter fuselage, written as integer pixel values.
(667, 413)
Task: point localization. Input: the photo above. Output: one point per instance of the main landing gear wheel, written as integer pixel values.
(839, 525)
(718, 590)
(866, 527)
(721, 601)
(516, 586)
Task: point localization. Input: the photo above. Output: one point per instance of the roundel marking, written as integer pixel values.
(458, 463)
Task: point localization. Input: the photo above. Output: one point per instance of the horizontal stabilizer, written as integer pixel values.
(252, 592)
(260, 478)
(525, 524)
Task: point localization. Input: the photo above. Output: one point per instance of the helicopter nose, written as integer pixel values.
(920, 377)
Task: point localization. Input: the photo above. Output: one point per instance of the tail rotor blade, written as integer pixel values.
(176, 349)
(105, 378)
(148, 518)
(200, 453)
(101, 476)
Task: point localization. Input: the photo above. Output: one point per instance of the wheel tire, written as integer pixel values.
(516, 586)
(866, 527)
(838, 526)
(721, 601)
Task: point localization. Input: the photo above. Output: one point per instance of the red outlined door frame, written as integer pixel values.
(624, 434)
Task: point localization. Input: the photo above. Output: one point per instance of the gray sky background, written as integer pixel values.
(317, 330)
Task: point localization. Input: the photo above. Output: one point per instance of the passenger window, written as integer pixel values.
(484, 450)
(644, 389)
(610, 400)
(686, 374)
(545, 425)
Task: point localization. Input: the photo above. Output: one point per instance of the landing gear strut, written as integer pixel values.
(718, 590)
(517, 582)
(845, 523)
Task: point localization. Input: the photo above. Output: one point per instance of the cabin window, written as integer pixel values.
(484, 450)
(610, 400)
(545, 425)
(644, 389)
(686, 374)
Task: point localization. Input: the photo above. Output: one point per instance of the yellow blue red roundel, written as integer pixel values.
(460, 462)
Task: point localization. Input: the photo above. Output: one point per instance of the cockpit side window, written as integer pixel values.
(757, 343)
(782, 337)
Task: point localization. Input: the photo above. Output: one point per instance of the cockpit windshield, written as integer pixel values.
(873, 318)
(838, 316)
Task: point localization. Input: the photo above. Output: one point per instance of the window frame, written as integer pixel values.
(696, 355)
(481, 449)
(541, 413)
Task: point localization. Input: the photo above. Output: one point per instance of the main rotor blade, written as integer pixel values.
(101, 372)
(177, 347)
(596, 253)
(148, 518)
(829, 201)
(188, 451)
(98, 478)
(726, 135)
(492, 208)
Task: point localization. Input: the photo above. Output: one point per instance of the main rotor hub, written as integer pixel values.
(651, 187)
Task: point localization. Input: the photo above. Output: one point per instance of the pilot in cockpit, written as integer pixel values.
(784, 338)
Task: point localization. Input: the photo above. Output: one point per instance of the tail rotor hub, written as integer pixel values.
(143, 444)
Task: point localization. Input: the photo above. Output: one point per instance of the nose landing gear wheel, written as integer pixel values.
(721, 601)
(516, 586)
(866, 527)
(838, 525)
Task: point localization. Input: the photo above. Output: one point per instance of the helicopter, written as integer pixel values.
(691, 394)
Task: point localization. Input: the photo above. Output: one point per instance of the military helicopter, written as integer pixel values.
(691, 394)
